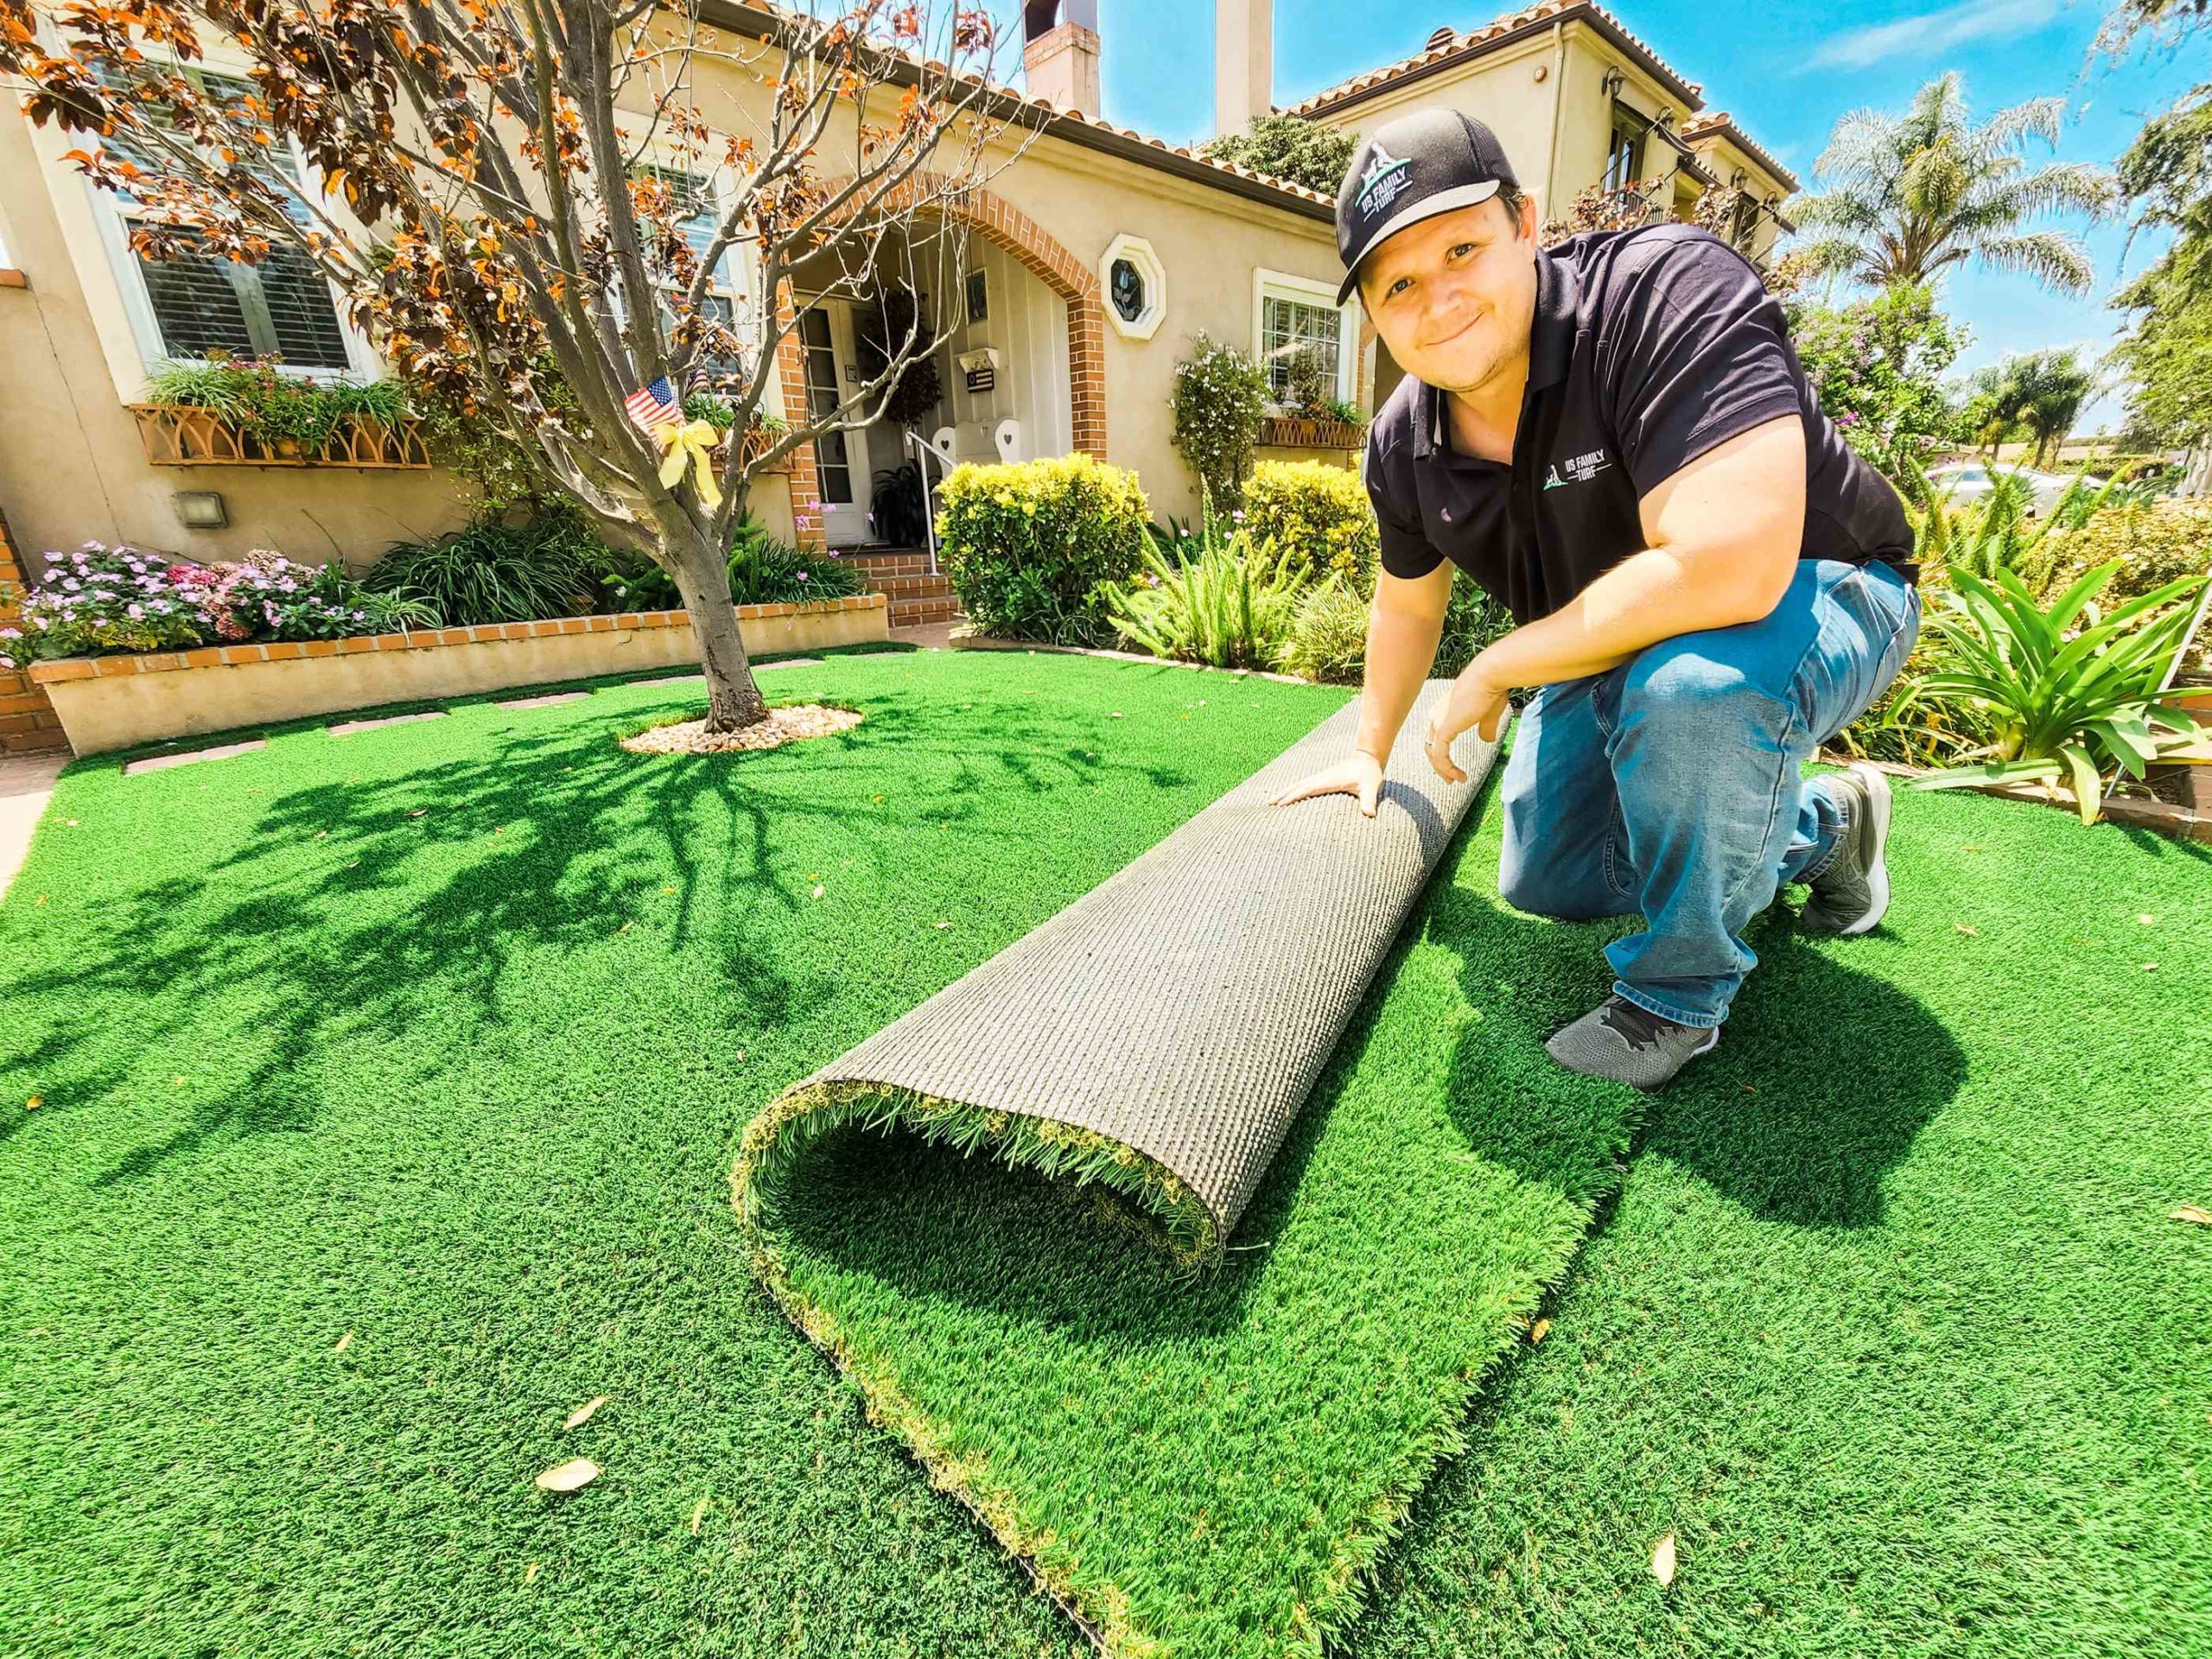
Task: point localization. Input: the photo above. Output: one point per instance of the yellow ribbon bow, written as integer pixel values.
(691, 444)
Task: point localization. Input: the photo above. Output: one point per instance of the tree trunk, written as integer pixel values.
(734, 702)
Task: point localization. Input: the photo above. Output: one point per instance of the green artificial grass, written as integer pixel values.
(1887, 1323)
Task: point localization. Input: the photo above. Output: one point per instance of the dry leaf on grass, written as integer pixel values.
(1662, 1561)
(1539, 1330)
(34, 1102)
(530, 1573)
(344, 1343)
(1975, 932)
(576, 1473)
(2195, 1213)
(698, 1514)
(583, 1414)
(817, 889)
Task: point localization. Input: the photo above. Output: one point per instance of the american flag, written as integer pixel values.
(654, 406)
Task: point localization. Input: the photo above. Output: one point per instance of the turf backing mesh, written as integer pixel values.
(1160, 1033)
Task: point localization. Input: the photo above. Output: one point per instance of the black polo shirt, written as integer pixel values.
(1648, 347)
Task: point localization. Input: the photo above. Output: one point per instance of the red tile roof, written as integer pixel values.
(1718, 121)
(1476, 42)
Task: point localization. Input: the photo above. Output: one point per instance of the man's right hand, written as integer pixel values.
(1362, 776)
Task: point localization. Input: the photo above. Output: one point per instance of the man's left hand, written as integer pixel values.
(1474, 701)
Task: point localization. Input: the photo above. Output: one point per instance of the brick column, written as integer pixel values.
(804, 477)
(27, 722)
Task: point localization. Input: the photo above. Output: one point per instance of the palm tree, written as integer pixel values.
(1909, 196)
(2038, 393)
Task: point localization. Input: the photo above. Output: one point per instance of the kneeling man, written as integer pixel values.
(1615, 438)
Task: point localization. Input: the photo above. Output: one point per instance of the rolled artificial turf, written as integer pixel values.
(372, 1144)
(1158, 1036)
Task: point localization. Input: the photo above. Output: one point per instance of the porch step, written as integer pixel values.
(889, 561)
(918, 586)
(909, 613)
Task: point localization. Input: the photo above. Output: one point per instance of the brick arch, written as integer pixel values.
(1042, 255)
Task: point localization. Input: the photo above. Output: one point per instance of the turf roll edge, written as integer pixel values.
(1159, 1034)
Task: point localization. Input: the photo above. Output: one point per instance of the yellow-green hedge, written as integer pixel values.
(1311, 507)
(1027, 546)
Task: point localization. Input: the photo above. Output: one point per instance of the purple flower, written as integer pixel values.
(137, 610)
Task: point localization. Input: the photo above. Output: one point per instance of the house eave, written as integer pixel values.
(1540, 23)
(1006, 104)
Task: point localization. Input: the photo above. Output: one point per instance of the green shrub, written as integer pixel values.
(2155, 541)
(763, 570)
(2069, 688)
(1328, 634)
(486, 572)
(1471, 620)
(1028, 547)
(1232, 607)
(1317, 510)
(1221, 397)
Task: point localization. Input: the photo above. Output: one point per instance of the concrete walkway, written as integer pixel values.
(26, 786)
(925, 633)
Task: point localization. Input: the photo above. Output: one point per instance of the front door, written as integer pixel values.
(840, 458)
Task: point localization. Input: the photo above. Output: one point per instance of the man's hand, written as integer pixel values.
(1474, 701)
(1361, 775)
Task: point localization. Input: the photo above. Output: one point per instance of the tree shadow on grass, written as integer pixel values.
(542, 835)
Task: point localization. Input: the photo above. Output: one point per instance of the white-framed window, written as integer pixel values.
(1295, 315)
(187, 306)
(701, 209)
(1624, 149)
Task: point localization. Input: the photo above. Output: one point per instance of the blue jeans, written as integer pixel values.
(1670, 785)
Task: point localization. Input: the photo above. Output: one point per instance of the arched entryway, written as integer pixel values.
(1036, 252)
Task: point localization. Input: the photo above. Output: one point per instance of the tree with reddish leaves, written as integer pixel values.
(530, 208)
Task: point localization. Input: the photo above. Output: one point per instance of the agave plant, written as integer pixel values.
(1231, 606)
(2077, 704)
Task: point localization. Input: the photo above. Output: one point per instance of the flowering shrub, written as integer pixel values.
(1028, 547)
(1221, 396)
(101, 598)
(1319, 511)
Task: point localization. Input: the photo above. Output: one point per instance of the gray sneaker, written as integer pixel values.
(1851, 894)
(1628, 1043)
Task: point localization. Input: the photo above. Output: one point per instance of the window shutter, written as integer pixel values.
(196, 306)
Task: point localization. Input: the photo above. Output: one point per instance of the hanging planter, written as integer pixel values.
(179, 437)
(1297, 432)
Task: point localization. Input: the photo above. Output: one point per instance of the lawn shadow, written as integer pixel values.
(543, 833)
(1823, 1078)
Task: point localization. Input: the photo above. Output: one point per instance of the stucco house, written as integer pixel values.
(1089, 260)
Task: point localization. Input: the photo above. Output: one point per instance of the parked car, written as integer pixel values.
(1967, 481)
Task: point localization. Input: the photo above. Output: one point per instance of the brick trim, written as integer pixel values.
(167, 661)
(27, 722)
(1045, 257)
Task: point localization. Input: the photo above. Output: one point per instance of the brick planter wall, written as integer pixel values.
(122, 701)
(27, 722)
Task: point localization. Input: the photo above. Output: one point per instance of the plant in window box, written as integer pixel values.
(276, 415)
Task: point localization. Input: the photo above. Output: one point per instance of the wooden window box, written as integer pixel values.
(1294, 432)
(199, 437)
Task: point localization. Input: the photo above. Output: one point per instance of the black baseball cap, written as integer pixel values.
(1410, 169)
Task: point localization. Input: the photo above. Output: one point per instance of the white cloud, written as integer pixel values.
(1933, 31)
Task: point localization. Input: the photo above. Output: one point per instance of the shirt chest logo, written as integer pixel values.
(1577, 469)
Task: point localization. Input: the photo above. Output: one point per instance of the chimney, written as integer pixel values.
(1243, 64)
(1059, 54)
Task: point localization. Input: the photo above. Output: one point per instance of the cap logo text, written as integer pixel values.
(1383, 183)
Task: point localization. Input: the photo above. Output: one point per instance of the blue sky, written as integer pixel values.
(1785, 69)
